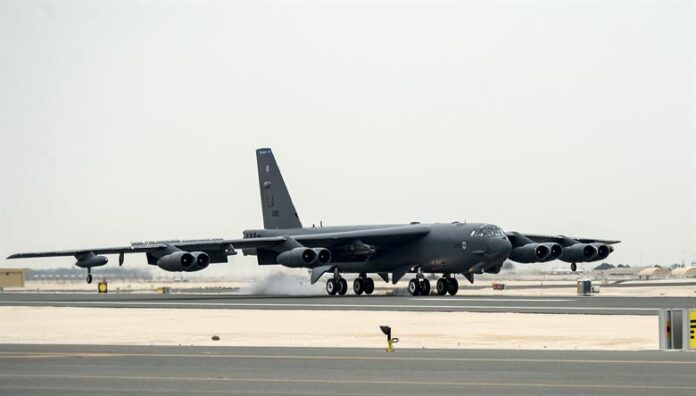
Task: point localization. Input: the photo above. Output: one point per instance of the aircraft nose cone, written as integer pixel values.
(500, 248)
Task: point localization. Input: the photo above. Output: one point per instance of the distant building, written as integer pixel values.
(653, 272)
(684, 272)
(623, 272)
(12, 277)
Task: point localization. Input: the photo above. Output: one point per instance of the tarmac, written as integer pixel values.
(551, 305)
(106, 370)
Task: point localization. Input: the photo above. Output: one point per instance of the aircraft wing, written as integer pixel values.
(215, 247)
(560, 239)
(376, 236)
(76, 252)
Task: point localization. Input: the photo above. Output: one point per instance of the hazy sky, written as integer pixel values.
(124, 122)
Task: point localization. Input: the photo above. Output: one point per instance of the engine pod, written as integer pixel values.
(297, 257)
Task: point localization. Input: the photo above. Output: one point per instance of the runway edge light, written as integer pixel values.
(390, 341)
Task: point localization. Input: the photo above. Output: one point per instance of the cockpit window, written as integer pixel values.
(488, 231)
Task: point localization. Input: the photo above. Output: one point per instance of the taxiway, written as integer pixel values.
(559, 305)
(104, 370)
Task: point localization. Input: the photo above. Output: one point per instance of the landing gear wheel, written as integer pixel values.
(413, 287)
(89, 278)
(452, 286)
(359, 286)
(573, 267)
(331, 287)
(369, 285)
(441, 286)
(342, 286)
(425, 287)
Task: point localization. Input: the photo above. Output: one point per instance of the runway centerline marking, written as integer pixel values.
(279, 306)
(348, 381)
(14, 355)
(496, 299)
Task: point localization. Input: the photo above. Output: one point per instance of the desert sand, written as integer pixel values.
(340, 329)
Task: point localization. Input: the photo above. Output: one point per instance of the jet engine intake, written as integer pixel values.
(323, 255)
(201, 261)
(578, 253)
(177, 261)
(555, 250)
(530, 253)
(297, 257)
(603, 251)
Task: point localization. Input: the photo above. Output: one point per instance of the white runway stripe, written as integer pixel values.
(495, 299)
(279, 306)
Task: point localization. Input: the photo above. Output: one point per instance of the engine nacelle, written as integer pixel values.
(555, 250)
(297, 257)
(177, 261)
(89, 260)
(201, 261)
(578, 253)
(530, 253)
(323, 255)
(603, 251)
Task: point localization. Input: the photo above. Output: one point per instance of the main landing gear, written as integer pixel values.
(336, 285)
(447, 284)
(419, 286)
(363, 284)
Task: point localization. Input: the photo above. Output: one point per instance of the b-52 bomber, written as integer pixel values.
(392, 250)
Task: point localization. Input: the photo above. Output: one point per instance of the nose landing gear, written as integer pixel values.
(573, 267)
(89, 275)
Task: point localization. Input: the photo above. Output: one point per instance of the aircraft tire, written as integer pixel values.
(369, 285)
(573, 267)
(413, 287)
(425, 287)
(441, 286)
(89, 278)
(331, 287)
(359, 286)
(342, 286)
(452, 286)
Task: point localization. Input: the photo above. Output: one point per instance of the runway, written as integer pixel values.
(574, 305)
(104, 370)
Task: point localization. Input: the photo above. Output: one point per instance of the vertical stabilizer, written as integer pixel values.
(276, 205)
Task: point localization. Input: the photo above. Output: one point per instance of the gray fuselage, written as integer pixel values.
(446, 248)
